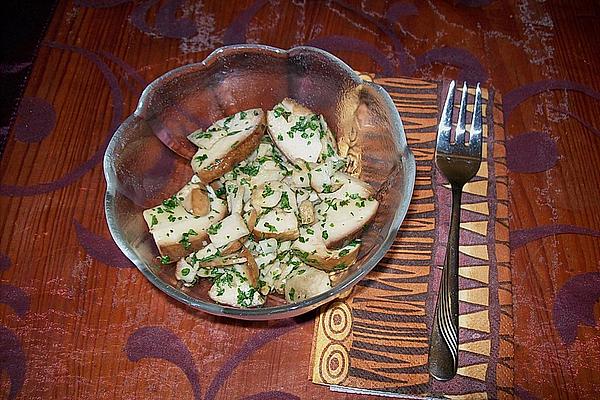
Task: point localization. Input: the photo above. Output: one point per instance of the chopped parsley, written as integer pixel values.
(292, 293)
(331, 204)
(201, 158)
(154, 221)
(220, 192)
(339, 267)
(243, 115)
(164, 260)
(203, 135)
(310, 231)
(251, 170)
(330, 151)
(344, 252)
(185, 240)
(185, 272)
(244, 299)
(281, 112)
(324, 234)
(270, 227)
(172, 218)
(214, 228)
(170, 203)
(267, 191)
(285, 201)
(223, 279)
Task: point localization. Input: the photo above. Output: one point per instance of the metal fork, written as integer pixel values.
(459, 161)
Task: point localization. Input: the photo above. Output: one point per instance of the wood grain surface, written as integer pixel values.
(96, 58)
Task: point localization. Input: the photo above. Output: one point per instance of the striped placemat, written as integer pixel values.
(376, 340)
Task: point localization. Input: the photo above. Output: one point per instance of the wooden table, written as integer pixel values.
(95, 59)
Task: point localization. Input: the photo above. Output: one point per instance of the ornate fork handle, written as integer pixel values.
(443, 358)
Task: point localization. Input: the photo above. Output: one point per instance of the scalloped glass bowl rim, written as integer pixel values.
(286, 310)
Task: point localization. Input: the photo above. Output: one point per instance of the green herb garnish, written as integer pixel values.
(201, 158)
(281, 112)
(213, 229)
(285, 201)
(164, 260)
(185, 240)
(268, 191)
(251, 170)
(270, 227)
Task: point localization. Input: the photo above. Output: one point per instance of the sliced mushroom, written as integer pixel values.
(320, 177)
(226, 143)
(306, 212)
(300, 178)
(185, 272)
(222, 262)
(250, 218)
(342, 220)
(231, 248)
(344, 213)
(207, 253)
(345, 185)
(310, 283)
(296, 131)
(232, 287)
(177, 232)
(304, 194)
(194, 197)
(277, 273)
(251, 267)
(268, 246)
(268, 171)
(276, 224)
(311, 245)
(274, 193)
(227, 230)
(235, 197)
(266, 195)
(329, 152)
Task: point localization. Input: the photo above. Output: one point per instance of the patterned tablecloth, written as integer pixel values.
(376, 340)
(77, 320)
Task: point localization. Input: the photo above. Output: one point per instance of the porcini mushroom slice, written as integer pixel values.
(306, 285)
(295, 130)
(311, 246)
(227, 230)
(226, 143)
(277, 224)
(177, 232)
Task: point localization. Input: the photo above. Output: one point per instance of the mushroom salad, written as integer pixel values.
(264, 213)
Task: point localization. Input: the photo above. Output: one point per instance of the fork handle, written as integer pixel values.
(443, 348)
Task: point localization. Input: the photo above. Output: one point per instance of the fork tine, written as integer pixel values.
(462, 117)
(445, 126)
(475, 132)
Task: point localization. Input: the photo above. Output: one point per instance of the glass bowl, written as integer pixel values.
(147, 159)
